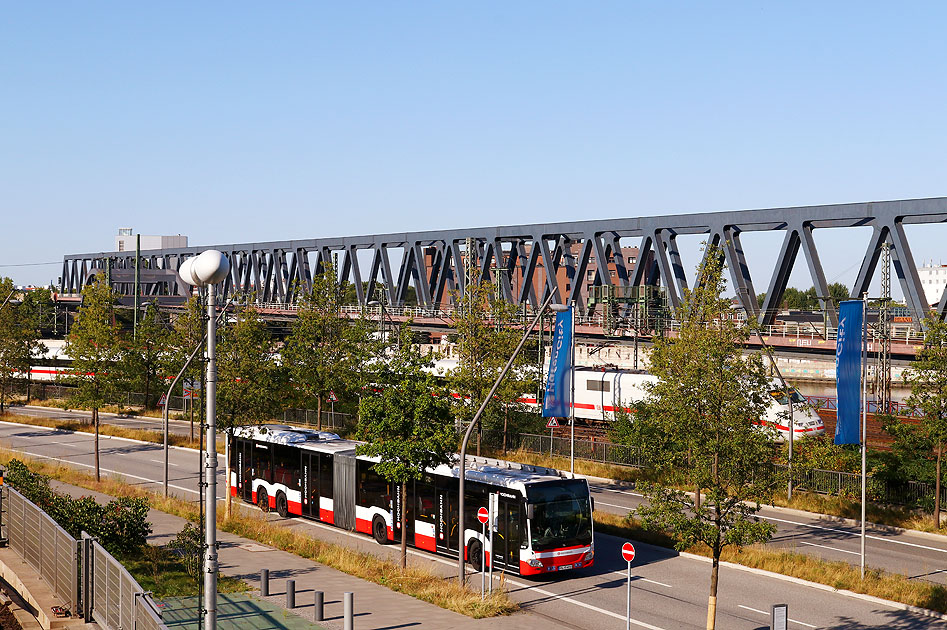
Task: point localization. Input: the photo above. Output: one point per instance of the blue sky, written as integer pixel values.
(237, 121)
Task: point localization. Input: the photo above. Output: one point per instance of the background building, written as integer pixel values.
(933, 279)
(125, 241)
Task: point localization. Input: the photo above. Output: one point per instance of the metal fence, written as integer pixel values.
(104, 591)
(337, 421)
(116, 600)
(46, 546)
(834, 482)
(592, 450)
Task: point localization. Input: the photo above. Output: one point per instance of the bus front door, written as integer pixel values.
(507, 535)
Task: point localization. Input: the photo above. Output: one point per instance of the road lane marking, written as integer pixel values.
(601, 489)
(523, 585)
(161, 461)
(637, 578)
(623, 507)
(842, 531)
(763, 612)
(854, 553)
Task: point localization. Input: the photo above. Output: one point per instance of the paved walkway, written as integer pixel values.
(376, 607)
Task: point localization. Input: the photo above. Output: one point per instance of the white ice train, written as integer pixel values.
(600, 391)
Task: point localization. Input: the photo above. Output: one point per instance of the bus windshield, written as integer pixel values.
(562, 516)
(780, 396)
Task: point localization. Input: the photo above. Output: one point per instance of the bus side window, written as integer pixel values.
(427, 507)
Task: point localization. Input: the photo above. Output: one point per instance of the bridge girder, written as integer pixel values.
(523, 255)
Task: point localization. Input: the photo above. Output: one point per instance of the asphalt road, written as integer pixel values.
(669, 591)
(916, 555)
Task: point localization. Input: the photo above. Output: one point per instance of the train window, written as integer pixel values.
(598, 386)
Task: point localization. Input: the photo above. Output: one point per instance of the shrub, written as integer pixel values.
(121, 525)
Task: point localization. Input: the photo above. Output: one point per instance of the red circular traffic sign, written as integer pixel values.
(628, 552)
(483, 516)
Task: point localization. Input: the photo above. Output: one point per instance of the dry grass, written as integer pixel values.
(840, 575)
(413, 581)
(143, 435)
(892, 516)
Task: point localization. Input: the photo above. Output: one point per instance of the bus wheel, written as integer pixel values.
(263, 500)
(282, 507)
(380, 531)
(474, 554)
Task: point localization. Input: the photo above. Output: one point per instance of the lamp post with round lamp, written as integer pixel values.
(207, 270)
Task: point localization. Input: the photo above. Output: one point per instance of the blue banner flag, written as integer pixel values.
(848, 368)
(558, 396)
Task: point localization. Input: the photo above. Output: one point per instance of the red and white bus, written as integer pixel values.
(543, 522)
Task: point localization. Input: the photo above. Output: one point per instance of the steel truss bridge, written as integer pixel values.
(524, 261)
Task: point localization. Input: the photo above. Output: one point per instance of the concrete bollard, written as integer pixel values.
(290, 594)
(348, 608)
(318, 609)
(265, 582)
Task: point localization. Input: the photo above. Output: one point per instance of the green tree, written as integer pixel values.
(248, 377)
(143, 359)
(19, 339)
(326, 352)
(488, 331)
(697, 427)
(838, 292)
(928, 380)
(95, 346)
(408, 423)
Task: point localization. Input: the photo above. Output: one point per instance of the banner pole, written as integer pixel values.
(864, 435)
(572, 401)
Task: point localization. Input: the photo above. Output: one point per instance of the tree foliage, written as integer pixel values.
(19, 338)
(488, 331)
(143, 358)
(698, 426)
(407, 422)
(325, 352)
(928, 380)
(248, 377)
(95, 346)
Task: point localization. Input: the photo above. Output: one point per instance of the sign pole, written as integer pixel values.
(494, 501)
(628, 605)
(483, 560)
(628, 554)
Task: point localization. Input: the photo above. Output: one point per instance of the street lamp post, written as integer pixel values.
(207, 270)
(461, 538)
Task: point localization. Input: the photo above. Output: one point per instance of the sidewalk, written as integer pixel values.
(376, 607)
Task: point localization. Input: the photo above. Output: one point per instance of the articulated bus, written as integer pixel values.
(543, 523)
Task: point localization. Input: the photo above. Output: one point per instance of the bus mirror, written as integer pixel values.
(530, 511)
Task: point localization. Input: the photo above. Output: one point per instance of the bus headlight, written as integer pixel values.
(589, 554)
(535, 563)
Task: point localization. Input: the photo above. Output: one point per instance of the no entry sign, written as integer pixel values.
(628, 552)
(483, 516)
